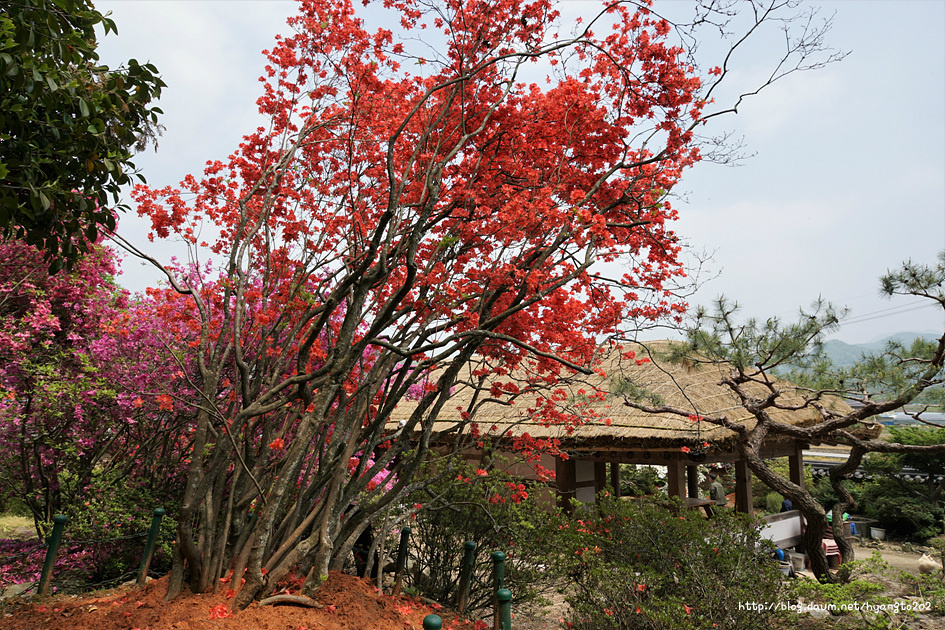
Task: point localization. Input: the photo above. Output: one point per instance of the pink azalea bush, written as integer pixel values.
(85, 375)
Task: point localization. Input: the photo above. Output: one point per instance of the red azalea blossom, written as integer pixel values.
(220, 611)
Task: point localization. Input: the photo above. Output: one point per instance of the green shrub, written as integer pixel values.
(653, 565)
(103, 535)
(862, 596)
(900, 512)
(855, 586)
(499, 513)
(929, 589)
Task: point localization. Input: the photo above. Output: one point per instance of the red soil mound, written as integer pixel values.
(349, 604)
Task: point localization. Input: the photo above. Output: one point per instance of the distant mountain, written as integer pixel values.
(844, 354)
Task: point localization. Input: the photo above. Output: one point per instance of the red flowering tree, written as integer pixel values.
(412, 216)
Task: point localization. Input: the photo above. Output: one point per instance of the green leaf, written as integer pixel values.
(54, 120)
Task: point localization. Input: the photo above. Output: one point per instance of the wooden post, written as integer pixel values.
(498, 585)
(504, 599)
(796, 464)
(564, 478)
(401, 560)
(742, 487)
(692, 481)
(465, 573)
(45, 578)
(600, 479)
(615, 478)
(153, 533)
(674, 478)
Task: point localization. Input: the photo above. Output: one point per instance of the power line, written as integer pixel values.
(888, 312)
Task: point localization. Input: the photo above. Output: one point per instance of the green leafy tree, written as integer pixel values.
(68, 126)
(930, 464)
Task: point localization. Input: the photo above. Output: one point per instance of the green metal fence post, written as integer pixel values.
(54, 540)
(504, 597)
(432, 622)
(498, 583)
(401, 560)
(149, 546)
(465, 574)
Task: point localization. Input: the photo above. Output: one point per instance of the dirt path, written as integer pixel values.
(892, 554)
(908, 562)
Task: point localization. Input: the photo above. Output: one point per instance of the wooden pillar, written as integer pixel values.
(564, 478)
(674, 478)
(796, 464)
(615, 478)
(742, 487)
(600, 478)
(692, 481)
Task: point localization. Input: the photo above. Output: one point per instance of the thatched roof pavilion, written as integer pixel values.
(624, 435)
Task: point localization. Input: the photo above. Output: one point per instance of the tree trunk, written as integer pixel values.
(325, 533)
(813, 545)
(812, 511)
(846, 501)
(187, 554)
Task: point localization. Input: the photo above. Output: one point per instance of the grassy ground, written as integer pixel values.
(16, 527)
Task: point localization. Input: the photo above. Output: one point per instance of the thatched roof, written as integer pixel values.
(694, 387)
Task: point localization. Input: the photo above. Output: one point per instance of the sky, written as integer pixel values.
(845, 179)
